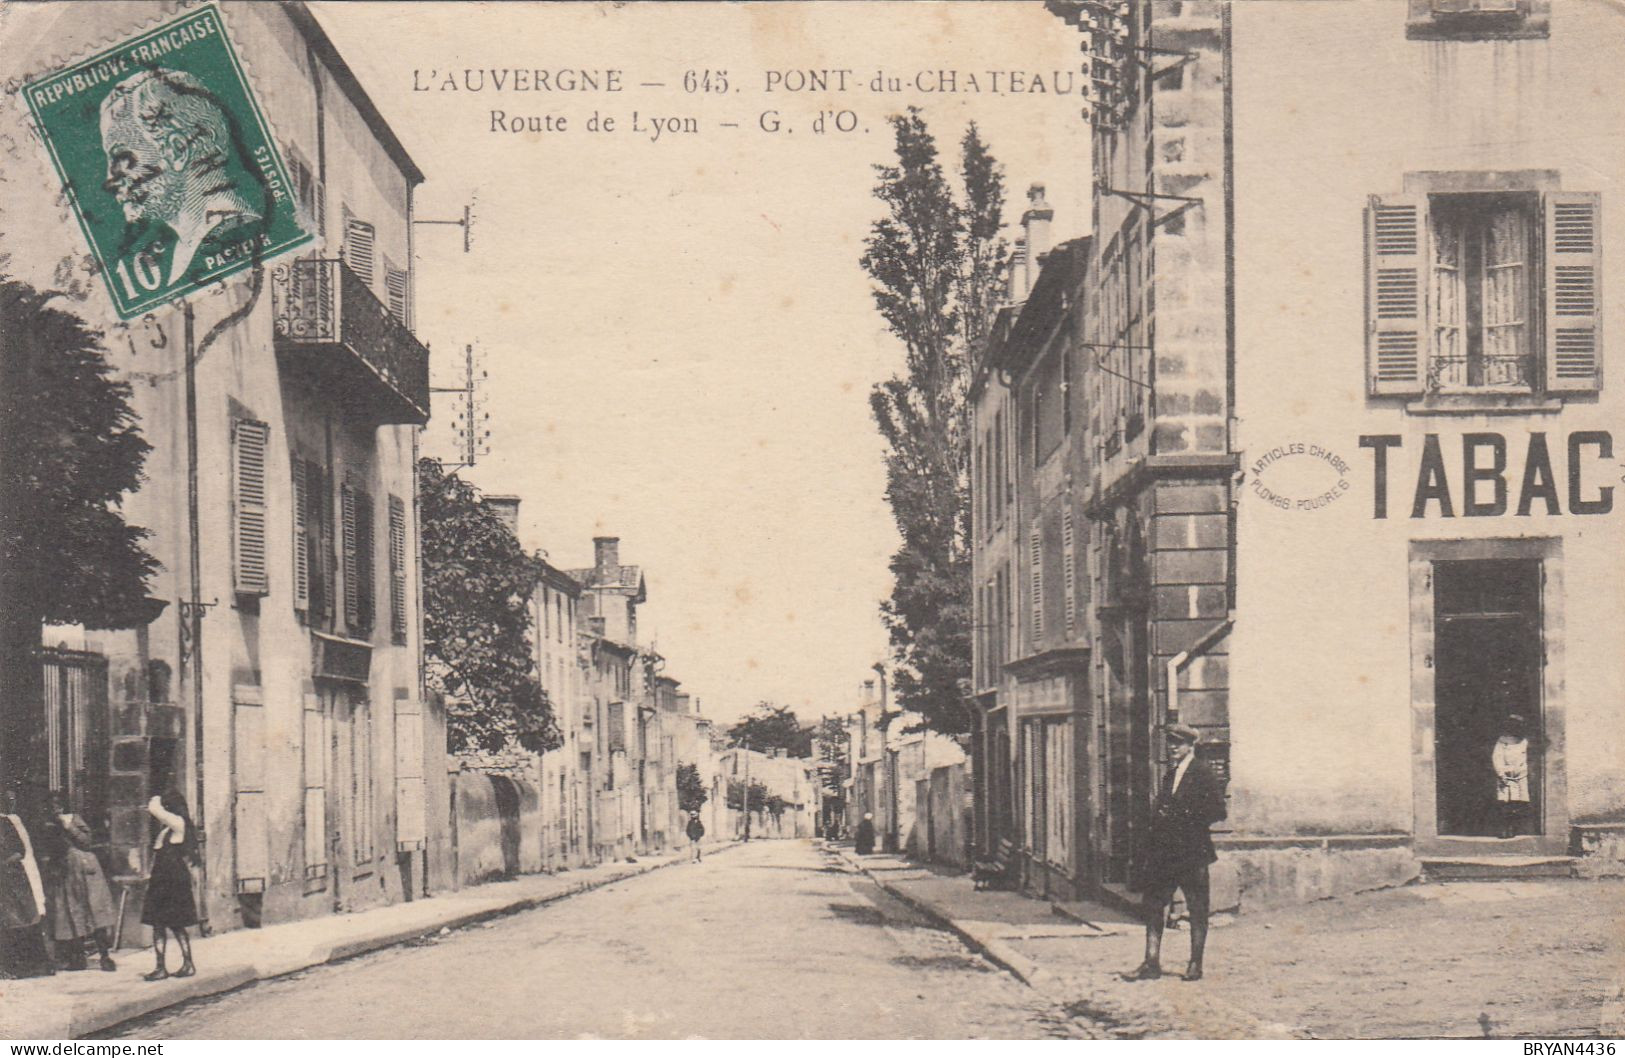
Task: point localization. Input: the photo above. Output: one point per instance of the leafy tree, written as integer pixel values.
(736, 795)
(937, 261)
(477, 584)
(691, 793)
(773, 727)
(70, 453)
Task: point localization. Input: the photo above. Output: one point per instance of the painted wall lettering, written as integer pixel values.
(1486, 470)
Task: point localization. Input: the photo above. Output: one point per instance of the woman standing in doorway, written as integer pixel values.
(1510, 759)
(169, 904)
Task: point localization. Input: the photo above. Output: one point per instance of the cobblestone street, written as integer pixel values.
(769, 940)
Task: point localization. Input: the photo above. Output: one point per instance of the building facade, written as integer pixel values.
(281, 688)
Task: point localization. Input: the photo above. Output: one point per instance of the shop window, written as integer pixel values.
(1484, 292)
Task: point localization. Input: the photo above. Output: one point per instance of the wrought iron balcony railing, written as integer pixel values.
(324, 310)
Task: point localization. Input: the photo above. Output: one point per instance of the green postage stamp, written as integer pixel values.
(166, 157)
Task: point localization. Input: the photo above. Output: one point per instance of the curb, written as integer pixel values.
(81, 1023)
(993, 949)
(1103, 1009)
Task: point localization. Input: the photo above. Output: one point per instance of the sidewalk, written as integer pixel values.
(73, 1005)
(1463, 959)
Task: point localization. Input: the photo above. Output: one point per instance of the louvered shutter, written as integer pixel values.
(321, 208)
(1036, 559)
(301, 535)
(395, 287)
(1396, 295)
(397, 569)
(248, 506)
(359, 243)
(347, 540)
(365, 560)
(1069, 572)
(1573, 292)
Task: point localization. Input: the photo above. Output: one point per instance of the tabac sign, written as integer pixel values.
(166, 157)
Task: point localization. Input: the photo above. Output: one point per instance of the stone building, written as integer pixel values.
(1322, 396)
(289, 706)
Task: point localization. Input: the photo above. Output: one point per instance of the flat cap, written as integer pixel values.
(1182, 733)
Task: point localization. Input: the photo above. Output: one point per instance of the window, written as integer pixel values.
(397, 569)
(1478, 19)
(248, 442)
(359, 245)
(1049, 402)
(1483, 292)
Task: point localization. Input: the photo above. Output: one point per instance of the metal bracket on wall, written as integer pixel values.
(191, 615)
(1146, 200)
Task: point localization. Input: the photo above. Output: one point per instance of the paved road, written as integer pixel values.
(773, 940)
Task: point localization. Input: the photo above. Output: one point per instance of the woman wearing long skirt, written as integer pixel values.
(169, 904)
(81, 902)
(22, 898)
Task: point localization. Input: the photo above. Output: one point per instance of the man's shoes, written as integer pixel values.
(1193, 972)
(108, 965)
(1146, 971)
(156, 975)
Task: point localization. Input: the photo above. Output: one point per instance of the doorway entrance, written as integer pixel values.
(1488, 670)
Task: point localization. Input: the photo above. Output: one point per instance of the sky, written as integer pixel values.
(677, 339)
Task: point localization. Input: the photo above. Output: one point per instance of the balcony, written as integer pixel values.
(330, 326)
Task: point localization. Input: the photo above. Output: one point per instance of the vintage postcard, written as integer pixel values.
(1053, 519)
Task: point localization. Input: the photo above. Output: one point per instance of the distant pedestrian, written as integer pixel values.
(22, 898)
(696, 831)
(1510, 759)
(866, 834)
(81, 903)
(1178, 850)
(169, 904)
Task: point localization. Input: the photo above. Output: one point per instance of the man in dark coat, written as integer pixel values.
(1179, 850)
(865, 837)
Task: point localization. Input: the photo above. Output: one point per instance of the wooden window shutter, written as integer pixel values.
(348, 542)
(1573, 292)
(321, 208)
(1069, 571)
(1036, 557)
(1396, 257)
(248, 506)
(319, 537)
(366, 561)
(397, 569)
(360, 239)
(301, 535)
(395, 288)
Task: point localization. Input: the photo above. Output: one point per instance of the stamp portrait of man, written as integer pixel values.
(168, 145)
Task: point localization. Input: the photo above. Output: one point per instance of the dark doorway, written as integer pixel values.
(507, 797)
(1487, 667)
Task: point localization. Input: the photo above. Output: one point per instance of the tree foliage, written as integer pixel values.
(773, 727)
(937, 261)
(71, 451)
(736, 795)
(691, 792)
(477, 584)
(833, 748)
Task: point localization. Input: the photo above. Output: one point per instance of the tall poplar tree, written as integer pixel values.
(937, 261)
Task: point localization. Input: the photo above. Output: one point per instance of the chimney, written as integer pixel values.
(1035, 224)
(606, 551)
(1017, 281)
(505, 508)
(595, 625)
